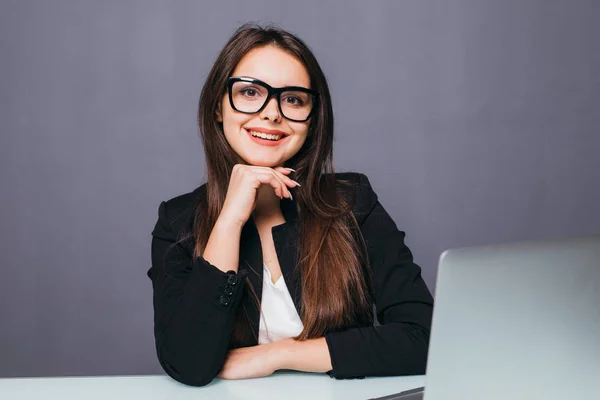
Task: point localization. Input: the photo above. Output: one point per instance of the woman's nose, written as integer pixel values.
(271, 110)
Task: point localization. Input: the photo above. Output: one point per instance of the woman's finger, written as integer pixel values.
(280, 172)
(282, 179)
(267, 178)
(284, 170)
(285, 173)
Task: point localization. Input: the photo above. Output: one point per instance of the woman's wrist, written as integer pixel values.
(305, 355)
(228, 224)
(280, 353)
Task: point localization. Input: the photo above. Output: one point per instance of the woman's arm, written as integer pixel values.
(404, 308)
(262, 360)
(307, 355)
(404, 305)
(195, 304)
(222, 249)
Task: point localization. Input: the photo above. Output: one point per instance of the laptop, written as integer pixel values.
(516, 321)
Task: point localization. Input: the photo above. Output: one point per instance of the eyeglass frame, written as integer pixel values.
(272, 91)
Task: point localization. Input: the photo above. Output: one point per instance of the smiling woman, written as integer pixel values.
(247, 282)
(254, 113)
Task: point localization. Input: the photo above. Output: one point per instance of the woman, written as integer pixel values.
(276, 262)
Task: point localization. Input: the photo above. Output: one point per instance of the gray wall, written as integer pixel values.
(476, 121)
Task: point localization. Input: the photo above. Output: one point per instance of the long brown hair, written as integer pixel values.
(334, 283)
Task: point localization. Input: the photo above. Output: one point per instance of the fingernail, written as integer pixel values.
(291, 197)
(291, 169)
(296, 182)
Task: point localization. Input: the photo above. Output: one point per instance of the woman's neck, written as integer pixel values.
(267, 203)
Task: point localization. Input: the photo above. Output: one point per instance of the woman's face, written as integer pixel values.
(278, 69)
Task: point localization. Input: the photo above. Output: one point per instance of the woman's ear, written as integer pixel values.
(218, 113)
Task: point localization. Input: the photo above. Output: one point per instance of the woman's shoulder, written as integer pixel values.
(356, 188)
(179, 210)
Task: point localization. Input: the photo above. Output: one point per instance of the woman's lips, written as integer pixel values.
(265, 142)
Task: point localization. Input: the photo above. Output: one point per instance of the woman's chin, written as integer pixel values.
(263, 163)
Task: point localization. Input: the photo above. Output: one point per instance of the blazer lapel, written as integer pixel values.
(251, 261)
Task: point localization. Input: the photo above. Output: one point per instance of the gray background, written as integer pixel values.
(476, 122)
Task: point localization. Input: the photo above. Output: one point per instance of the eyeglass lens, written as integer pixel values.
(249, 97)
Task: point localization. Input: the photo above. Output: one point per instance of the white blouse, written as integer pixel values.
(278, 318)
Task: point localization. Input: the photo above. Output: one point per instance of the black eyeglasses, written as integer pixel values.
(250, 96)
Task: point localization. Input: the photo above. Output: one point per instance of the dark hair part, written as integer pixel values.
(332, 255)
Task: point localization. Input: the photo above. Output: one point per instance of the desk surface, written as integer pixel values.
(281, 385)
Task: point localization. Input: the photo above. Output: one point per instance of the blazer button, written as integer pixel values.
(224, 301)
(228, 290)
(232, 280)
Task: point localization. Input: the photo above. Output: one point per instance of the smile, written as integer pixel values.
(266, 139)
(265, 135)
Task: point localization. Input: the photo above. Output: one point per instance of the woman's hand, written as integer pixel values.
(257, 361)
(244, 183)
(251, 362)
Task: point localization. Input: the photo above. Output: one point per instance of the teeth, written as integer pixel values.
(265, 135)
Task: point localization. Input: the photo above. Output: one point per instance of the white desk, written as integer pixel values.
(281, 385)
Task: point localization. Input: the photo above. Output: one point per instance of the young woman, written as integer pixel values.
(276, 262)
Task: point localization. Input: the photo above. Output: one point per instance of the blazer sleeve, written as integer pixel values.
(403, 303)
(194, 307)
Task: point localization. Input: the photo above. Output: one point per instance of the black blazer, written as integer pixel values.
(195, 303)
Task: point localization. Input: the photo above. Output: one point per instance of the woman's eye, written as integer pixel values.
(249, 92)
(293, 101)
